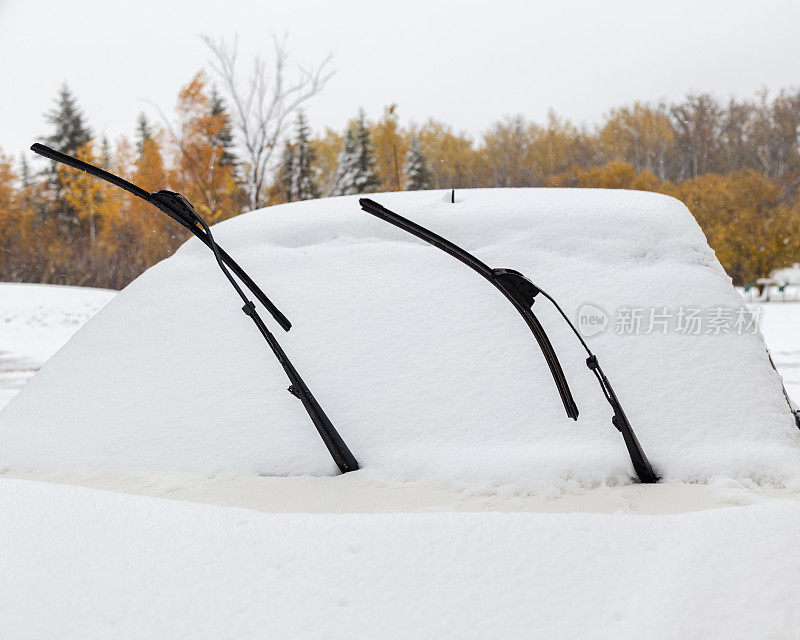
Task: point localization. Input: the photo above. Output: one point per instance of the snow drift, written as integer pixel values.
(81, 563)
(424, 368)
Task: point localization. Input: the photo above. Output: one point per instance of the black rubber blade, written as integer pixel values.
(177, 208)
(506, 280)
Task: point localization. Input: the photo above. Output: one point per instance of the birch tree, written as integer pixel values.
(261, 108)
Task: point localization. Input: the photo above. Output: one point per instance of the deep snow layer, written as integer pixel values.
(35, 321)
(80, 563)
(425, 369)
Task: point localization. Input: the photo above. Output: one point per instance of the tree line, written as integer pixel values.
(736, 165)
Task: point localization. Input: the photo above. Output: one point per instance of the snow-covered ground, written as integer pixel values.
(80, 563)
(35, 322)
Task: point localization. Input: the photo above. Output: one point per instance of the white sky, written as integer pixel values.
(467, 63)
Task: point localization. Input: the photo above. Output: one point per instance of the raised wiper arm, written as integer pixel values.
(513, 285)
(339, 451)
(176, 213)
(178, 208)
(521, 292)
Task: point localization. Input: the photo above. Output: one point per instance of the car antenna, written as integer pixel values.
(521, 293)
(180, 210)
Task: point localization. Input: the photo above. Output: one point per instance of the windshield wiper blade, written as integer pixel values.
(521, 292)
(176, 213)
(179, 209)
(513, 285)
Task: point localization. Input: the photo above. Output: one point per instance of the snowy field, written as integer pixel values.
(35, 322)
(165, 393)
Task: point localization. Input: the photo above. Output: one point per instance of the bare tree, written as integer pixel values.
(261, 110)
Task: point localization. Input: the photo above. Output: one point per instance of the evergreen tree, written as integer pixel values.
(346, 167)
(105, 153)
(71, 130)
(224, 138)
(356, 170)
(303, 183)
(418, 174)
(367, 179)
(144, 132)
(25, 176)
(27, 192)
(286, 173)
(71, 133)
(28, 200)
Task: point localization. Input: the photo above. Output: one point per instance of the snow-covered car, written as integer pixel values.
(446, 400)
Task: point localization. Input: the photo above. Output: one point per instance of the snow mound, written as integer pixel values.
(424, 368)
(81, 563)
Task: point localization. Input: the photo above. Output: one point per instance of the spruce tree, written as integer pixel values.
(71, 131)
(366, 179)
(105, 153)
(286, 172)
(27, 194)
(144, 132)
(418, 174)
(346, 167)
(356, 170)
(303, 183)
(25, 176)
(224, 138)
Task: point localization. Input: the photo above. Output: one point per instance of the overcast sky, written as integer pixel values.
(467, 63)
